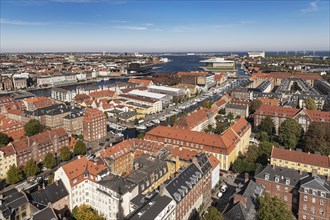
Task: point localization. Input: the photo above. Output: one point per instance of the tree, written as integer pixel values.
(247, 162)
(31, 168)
(14, 175)
(310, 104)
(85, 212)
(65, 154)
(230, 116)
(140, 136)
(136, 121)
(273, 208)
(4, 139)
(317, 138)
(267, 125)
(290, 133)
(33, 127)
(207, 104)
(213, 214)
(80, 148)
(255, 105)
(49, 161)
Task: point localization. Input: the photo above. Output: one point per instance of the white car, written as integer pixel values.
(220, 194)
(224, 188)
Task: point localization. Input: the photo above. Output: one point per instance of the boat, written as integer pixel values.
(141, 127)
(162, 118)
(156, 121)
(116, 126)
(150, 124)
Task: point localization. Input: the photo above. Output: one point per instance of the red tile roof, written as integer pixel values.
(277, 111)
(183, 153)
(268, 101)
(117, 151)
(191, 74)
(301, 157)
(145, 82)
(76, 169)
(214, 161)
(7, 150)
(195, 118)
(102, 94)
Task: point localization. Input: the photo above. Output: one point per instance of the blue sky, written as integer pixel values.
(159, 26)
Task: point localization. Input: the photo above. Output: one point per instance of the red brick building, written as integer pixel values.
(314, 198)
(37, 146)
(119, 157)
(94, 125)
(279, 114)
(283, 183)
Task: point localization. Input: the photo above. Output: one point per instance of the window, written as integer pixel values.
(305, 207)
(313, 210)
(286, 198)
(313, 200)
(277, 187)
(304, 217)
(321, 211)
(321, 202)
(286, 189)
(305, 198)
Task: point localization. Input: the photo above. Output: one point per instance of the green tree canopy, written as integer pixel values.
(267, 125)
(290, 133)
(80, 148)
(85, 212)
(33, 127)
(49, 161)
(230, 116)
(4, 139)
(31, 168)
(310, 104)
(273, 208)
(247, 162)
(65, 154)
(317, 138)
(254, 105)
(212, 214)
(14, 175)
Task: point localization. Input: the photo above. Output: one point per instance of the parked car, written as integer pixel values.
(220, 194)
(224, 188)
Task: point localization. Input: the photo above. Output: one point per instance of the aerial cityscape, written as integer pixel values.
(165, 110)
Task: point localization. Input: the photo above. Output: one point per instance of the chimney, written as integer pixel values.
(56, 182)
(314, 172)
(246, 177)
(273, 166)
(162, 190)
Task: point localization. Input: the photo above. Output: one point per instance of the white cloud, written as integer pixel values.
(131, 27)
(312, 7)
(19, 22)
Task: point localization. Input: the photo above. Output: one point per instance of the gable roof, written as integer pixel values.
(51, 194)
(301, 157)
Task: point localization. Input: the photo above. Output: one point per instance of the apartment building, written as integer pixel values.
(314, 198)
(119, 158)
(7, 159)
(149, 173)
(197, 120)
(225, 147)
(238, 108)
(90, 183)
(279, 114)
(37, 146)
(73, 123)
(155, 104)
(300, 161)
(63, 95)
(94, 125)
(282, 182)
(11, 127)
(187, 191)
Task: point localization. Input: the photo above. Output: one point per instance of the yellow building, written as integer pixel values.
(300, 161)
(225, 147)
(7, 159)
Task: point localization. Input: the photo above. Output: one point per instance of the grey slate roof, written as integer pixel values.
(46, 213)
(152, 208)
(283, 175)
(51, 193)
(314, 184)
(117, 184)
(251, 191)
(180, 185)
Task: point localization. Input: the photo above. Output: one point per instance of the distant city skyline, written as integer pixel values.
(163, 26)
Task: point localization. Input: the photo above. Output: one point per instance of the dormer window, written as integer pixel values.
(306, 190)
(277, 179)
(287, 181)
(323, 194)
(266, 176)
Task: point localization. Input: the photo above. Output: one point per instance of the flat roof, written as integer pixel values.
(164, 88)
(146, 94)
(217, 60)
